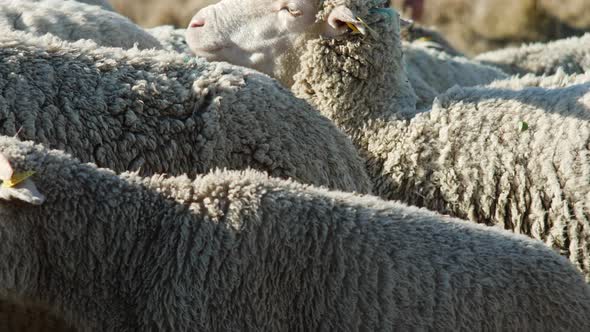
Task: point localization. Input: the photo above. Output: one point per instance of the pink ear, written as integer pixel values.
(6, 170)
(339, 21)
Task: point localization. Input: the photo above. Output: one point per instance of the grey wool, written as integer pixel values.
(560, 79)
(240, 251)
(171, 38)
(72, 20)
(517, 159)
(161, 112)
(570, 54)
(104, 4)
(432, 72)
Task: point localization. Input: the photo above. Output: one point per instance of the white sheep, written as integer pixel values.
(161, 112)
(432, 72)
(571, 54)
(560, 79)
(516, 159)
(104, 4)
(72, 20)
(240, 251)
(171, 38)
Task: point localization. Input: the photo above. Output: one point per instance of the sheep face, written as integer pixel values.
(264, 34)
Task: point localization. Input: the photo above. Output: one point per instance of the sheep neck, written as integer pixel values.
(354, 85)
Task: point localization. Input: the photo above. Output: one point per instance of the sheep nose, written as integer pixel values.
(197, 23)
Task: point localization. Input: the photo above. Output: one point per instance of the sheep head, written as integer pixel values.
(17, 185)
(269, 35)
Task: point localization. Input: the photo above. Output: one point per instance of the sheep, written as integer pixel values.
(514, 159)
(171, 38)
(559, 80)
(153, 13)
(21, 315)
(238, 250)
(570, 54)
(432, 72)
(427, 36)
(104, 4)
(72, 20)
(161, 112)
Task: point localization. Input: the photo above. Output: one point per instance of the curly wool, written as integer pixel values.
(171, 39)
(571, 54)
(468, 156)
(104, 4)
(242, 251)
(432, 72)
(560, 79)
(159, 112)
(72, 20)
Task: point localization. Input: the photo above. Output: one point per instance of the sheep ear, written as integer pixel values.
(24, 188)
(6, 170)
(25, 191)
(342, 20)
(405, 23)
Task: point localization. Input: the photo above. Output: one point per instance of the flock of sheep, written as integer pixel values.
(146, 188)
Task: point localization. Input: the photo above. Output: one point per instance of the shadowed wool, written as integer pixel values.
(243, 251)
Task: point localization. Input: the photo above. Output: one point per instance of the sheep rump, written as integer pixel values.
(571, 55)
(72, 21)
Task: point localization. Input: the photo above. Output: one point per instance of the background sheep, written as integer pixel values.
(160, 112)
(104, 4)
(560, 79)
(517, 159)
(572, 55)
(432, 72)
(242, 251)
(71, 20)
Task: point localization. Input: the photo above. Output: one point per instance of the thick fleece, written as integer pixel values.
(432, 72)
(516, 159)
(171, 38)
(72, 20)
(160, 112)
(239, 251)
(104, 4)
(560, 79)
(571, 54)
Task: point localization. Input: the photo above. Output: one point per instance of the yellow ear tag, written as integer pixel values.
(424, 39)
(353, 28)
(17, 178)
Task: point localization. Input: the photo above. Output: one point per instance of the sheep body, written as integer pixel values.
(171, 38)
(104, 4)
(72, 20)
(570, 54)
(432, 72)
(560, 79)
(518, 159)
(242, 251)
(160, 112)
